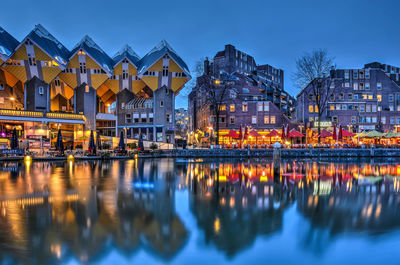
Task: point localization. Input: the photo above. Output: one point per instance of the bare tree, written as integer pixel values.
(316, 64)
(216, 93)
(312, 75)
(318, 93)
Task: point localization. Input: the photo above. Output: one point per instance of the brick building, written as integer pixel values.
(255, 95)
(362, 99)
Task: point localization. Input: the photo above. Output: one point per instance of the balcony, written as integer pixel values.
(106, 116)
(24, 115)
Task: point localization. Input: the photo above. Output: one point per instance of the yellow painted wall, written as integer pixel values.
(118, 69)
(173, 67)
(74, 62)
(151, 81)
(68, 92)
(132, 69)
(18, 71)
(10, 79)
(91, 64)
(20, 54)
(137, 85)
(177, 83)
(41, 55)
(49, 73)
(1, 61)
(98, 80)
(157, 66)
(112, 84)
(102, 90)
(69, 78)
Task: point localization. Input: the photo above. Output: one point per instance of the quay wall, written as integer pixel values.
(285, 153)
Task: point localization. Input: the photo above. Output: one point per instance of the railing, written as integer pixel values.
(64, 116)
(21, 113)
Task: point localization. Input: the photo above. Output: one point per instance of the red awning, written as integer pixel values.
(294, 133)
(273, 133)
(347, 133)
(325, 133)
(232, 134)
(254, 133)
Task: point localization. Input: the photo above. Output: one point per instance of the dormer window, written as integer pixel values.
(165, 71)
(166, 56)
(124, 74)
(81, 52)
(82, 68)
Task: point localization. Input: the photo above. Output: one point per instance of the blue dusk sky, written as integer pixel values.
(274, 32)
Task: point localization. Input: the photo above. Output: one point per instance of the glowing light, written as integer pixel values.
(71, 158)
(217, 225)
(136, 156)
(217, 82)
(12, 98)
(27, 158)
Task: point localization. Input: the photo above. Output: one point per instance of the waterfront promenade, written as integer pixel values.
(235, 153)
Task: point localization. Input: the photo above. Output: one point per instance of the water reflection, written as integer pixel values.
(52, 212)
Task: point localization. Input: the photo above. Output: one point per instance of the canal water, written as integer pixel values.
(174, 211)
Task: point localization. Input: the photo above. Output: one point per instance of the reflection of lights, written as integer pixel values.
(223, 201)
(27, 158)
(71, 158)
(56, 249)
(143, 185)
(232, 202)
(217, 225)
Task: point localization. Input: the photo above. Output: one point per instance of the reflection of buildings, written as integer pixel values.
(50, 212)
(250, 203)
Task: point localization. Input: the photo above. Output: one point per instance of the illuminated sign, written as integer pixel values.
(323, 123)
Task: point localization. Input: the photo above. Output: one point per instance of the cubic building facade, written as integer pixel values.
(44, 86)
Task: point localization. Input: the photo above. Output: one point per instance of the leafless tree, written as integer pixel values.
(215, 94)
(310, 66)
(312, 75)
(319, 91)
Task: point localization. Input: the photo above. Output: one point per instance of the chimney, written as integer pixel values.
(206, 66)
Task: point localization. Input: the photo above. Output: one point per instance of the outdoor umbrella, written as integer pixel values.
(346, 133)
(240, 136)
(335, 134)
(121, 144)
(59, 142)
(232, 134)
(273, 133)
(340, 133)
(325, 134)
(98, 140)
(293, 133)
(283, 136)
(140, 142)
(373, 134)
(14, 140)
(246, 132)
(92, 145)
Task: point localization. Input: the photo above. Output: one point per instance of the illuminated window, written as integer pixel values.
(365, 96)
(266, 106)
(232, 108)
(310, 108)
(316, 109)
(332, 107)
(379, 97)
(222, 107)
(244, 107)
(259, 106)
(370, 96)
(272, 120)
(266, 119)
(87, 89)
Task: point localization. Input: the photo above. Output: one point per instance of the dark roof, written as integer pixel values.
(156, 53)
(126, 52)
(7, 43)
(49, 44)
(95, 52)
(220, 54)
